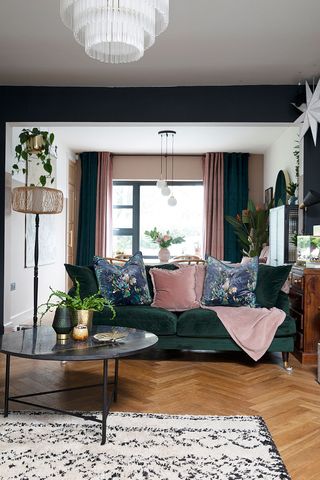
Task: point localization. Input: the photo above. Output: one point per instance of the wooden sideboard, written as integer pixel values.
(305, 309)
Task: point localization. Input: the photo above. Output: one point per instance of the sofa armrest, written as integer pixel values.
(283, 302)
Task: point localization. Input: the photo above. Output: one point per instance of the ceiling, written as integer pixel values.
(208, 42)
(144, 138)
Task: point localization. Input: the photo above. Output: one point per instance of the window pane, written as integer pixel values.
(185, 219)
(122, 218)
(122, 244)
(122, 194)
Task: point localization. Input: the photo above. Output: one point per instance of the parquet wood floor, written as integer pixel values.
(204, 384)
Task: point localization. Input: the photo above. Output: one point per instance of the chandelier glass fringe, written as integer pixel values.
(115, 31)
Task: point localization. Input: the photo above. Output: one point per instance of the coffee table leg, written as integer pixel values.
(7, 386)
(104, 401)
(116, 376)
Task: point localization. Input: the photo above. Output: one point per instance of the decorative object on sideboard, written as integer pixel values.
(167, 150)
(113, 31)
(280, 194)
(268, 198)
(308, 250)
(291, 191)
(164, 241)
(310, 112)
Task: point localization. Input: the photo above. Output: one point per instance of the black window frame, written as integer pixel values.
(135, 230)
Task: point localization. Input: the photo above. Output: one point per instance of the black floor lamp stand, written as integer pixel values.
(35, 273)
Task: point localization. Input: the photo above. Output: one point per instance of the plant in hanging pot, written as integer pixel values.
(35, 145)
(80, 308)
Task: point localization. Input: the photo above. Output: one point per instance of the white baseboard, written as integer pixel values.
(23, 317)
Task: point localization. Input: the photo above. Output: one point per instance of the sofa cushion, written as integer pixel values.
(232, 286)
(155, 320)
(123, 284)
(269, 283)
(174, 290)
(86, 278)
(165, 266)
(205, 323)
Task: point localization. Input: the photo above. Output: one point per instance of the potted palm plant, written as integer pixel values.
(73, 308)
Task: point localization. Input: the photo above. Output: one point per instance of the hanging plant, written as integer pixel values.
(35, 145)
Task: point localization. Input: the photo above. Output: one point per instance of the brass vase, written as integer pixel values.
(35, 144)
(84, 317)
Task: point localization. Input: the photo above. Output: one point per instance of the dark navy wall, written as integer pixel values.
(174, 104)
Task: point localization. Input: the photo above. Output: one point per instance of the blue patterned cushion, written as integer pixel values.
(233, 286)
(123, 285)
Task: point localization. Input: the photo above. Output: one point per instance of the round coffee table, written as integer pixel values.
(39, 343)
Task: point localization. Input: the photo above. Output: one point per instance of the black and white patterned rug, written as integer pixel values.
(36, 446)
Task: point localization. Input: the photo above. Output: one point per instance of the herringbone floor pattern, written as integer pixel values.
(208, 384)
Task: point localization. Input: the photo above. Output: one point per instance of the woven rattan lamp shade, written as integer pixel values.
(41, 200)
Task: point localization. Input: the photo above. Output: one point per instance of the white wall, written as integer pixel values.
(279, 156)
(19, 303)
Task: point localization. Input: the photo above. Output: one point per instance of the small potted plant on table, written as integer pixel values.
(73, 309)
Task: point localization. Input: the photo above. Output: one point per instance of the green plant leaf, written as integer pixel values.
(43, 180)
(48, 167)
(24, 155)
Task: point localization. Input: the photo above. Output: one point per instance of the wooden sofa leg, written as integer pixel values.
(285, 358)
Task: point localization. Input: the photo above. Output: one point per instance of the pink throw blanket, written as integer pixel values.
(252, 329)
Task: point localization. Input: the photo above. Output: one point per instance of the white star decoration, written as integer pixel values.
(311, 112)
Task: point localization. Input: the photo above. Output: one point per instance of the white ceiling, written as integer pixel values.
(208, 42)
(190, 138)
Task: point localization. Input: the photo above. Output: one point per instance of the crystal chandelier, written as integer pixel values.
(115, 31)
(167, 137)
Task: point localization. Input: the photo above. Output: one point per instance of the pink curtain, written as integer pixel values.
(213, 205)
(103, 245)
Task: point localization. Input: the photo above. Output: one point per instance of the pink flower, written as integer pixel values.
(166, 238)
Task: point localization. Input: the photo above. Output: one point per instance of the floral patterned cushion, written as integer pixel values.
(125, 284)
(233, 286)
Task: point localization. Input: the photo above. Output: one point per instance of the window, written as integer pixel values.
(139, 206)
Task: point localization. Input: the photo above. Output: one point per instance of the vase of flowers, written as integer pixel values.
(164, 241)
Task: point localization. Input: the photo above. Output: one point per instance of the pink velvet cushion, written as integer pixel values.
(200, 273)
(174, 289)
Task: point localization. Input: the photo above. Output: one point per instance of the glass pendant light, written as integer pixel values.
(115, 31)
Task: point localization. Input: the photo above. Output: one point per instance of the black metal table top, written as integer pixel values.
(41, 343)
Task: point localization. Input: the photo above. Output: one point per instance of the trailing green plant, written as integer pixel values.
(94, 302)
(24, 154)
(251, 228)
(296, 154)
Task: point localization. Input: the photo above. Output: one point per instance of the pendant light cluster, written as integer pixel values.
(167, 147)
(115, 31)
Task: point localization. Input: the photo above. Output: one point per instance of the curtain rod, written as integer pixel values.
(150, 154)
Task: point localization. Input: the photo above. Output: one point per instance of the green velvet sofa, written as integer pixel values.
(196, 329)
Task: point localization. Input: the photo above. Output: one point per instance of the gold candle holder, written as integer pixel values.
(80, 332)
